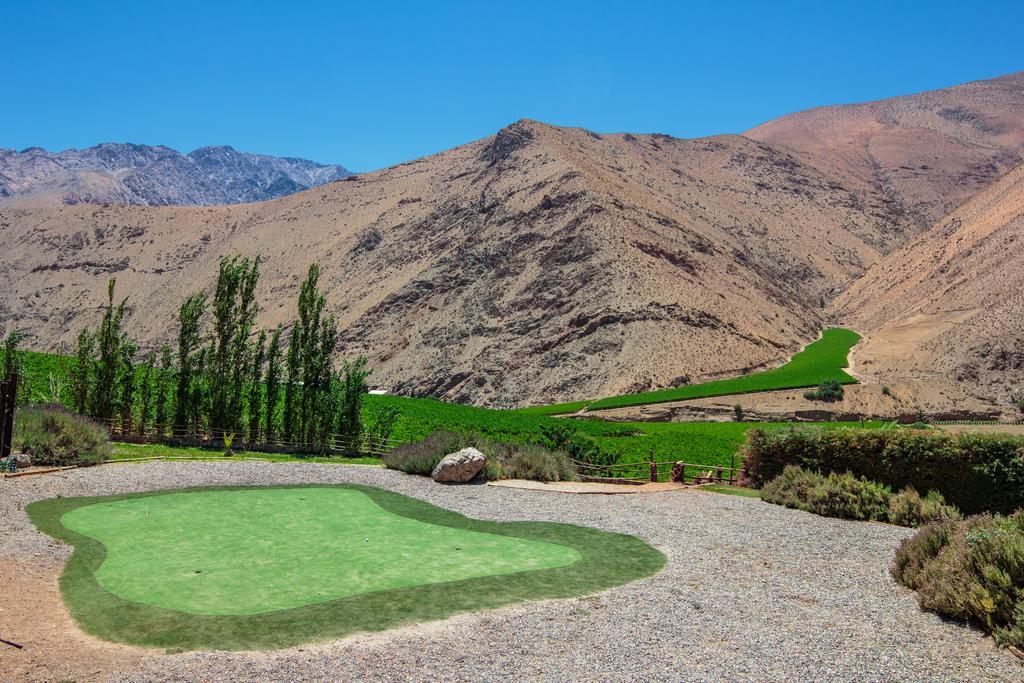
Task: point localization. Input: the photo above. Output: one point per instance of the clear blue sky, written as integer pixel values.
(374, 83)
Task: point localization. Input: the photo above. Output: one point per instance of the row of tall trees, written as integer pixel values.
(227, 377)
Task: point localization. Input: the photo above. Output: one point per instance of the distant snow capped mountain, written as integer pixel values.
(115, 173)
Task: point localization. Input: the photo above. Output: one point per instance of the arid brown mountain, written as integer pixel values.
(944, 313)
(912, 159)
(539, 264)
(545, 264)
(153, 176)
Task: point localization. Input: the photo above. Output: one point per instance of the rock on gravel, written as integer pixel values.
(460, 466)
(751, 592)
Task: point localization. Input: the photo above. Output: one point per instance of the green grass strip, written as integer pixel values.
(605, 560)
(821, 360)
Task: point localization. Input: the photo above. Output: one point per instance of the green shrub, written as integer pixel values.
(975, 472)
(564, 436)
(421, 457)
(917, 551)
(834, 495)
(793, 488)
(526, 461)
(970, 570)
(504, 460)
(886, 391)
(56, 437)
(908, 508)
(829, 391)
(850, 497)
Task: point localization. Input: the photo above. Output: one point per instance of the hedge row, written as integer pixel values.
(849, 497)
(975, 472)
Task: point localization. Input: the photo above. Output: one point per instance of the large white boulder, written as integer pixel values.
(460, 466)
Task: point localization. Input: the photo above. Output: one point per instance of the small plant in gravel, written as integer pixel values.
(53, 436)
(972, 570)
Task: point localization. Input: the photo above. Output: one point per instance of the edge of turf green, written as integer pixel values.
(607, 559)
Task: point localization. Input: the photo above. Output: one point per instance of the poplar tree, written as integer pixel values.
(13, 365)
(109, 339)
(256, 388)
(146, 394)
(12, 356)
(198, 393)
(273, 385)
(163, 385)
(353, 387)
(324, 400)
(126, 383)
(234, 314)
(190, 316)
(81, 373)
(291, 386)
(311, 306)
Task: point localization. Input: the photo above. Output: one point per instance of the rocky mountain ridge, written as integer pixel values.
(115, 173)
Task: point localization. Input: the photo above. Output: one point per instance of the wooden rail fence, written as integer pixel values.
(336, 444)
(653, 471)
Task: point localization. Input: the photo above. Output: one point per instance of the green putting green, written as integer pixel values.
(258, 550)
(265, 567)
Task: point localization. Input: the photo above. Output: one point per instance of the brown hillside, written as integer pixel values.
(912, 159)
(539, 264)
(945, 311)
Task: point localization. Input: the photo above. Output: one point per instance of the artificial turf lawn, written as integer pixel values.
(259, 550)
(498, 563)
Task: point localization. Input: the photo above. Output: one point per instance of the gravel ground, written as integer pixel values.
(751, 591)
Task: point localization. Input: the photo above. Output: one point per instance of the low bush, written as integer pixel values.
(851, 497)
(834, 495)
(55, 437)
(526, 461)
(421, 457)
(504, 460)
(564, 437)
(829, 391)
(975, 472)
(972, 570)
(909, 508)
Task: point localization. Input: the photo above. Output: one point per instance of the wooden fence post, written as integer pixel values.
(8, 398)
(654, 468)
